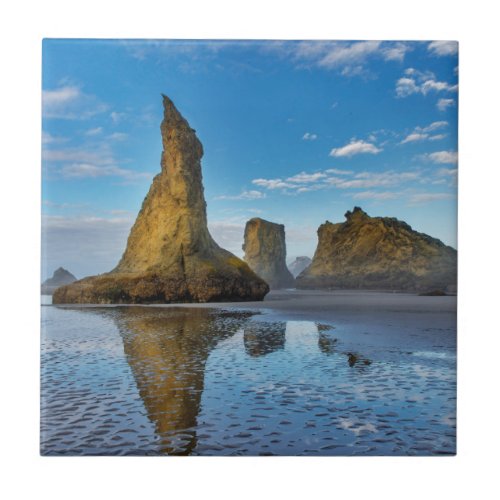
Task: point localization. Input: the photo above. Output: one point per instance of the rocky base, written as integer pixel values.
(116, 288)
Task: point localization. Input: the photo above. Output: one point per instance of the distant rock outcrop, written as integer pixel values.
(265, 252)
(379, 253)
(170, 255)
(298, 265)
(60, 277)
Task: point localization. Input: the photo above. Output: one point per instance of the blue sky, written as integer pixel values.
(293, 132)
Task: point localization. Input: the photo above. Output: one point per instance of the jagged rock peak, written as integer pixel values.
(379, 253)
(170, 254)
(265, 252)
(357, 213)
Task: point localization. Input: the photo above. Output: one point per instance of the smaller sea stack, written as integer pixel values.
(265, 252)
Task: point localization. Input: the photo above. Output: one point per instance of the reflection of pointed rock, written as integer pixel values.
(264, 338)
(167, 351)
(170, 255)
(378, 253)
(265, 252)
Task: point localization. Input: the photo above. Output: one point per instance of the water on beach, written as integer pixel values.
(202, 381)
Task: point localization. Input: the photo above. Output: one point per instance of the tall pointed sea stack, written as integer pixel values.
(379, 253)
(265, 252)
(170, 255)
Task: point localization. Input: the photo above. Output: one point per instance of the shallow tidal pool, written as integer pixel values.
(201, 381)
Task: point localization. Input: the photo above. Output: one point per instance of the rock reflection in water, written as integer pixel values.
(167, 350)
(264, 338)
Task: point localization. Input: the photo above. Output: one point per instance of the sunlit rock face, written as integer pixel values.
(379, 253)
(265, 252)
(167, 350)
(298, 265)
(170, 254)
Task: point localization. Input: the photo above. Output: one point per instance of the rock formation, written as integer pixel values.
(170, 255)
(265, 252)
(60, 277)
(298, 265)
(379, 253)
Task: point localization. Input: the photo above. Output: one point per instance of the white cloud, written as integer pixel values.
(244, 195)
(367, 180)
(414, 137)
(419, 198)
(272, 183)
(448, 172)
(434, 126)
(421, 133)
(349, 58)
(309, 136)
(395, 52)
(94, 131)
(443, 48)
(444, 104)
(70, 103)
(304, 178)
(421, 82)
(375, 195)
(442, 157)
(406, 86)
(338, 171)
(118, 136)
(437, 137)
(88, 170)
(52, 139)
(117, 117)
(354, 148)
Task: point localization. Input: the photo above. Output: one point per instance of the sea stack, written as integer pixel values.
(379, 253)
(60, 277)
(298, 265)
(265, 252)
(170, 255)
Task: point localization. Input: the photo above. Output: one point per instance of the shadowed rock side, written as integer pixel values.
(60, 277)
(170, 255)
(379, 253)
(265, 252)
(167, 350)
(298, 265)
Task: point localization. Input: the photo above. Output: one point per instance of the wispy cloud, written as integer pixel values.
(303, 177)
(421, 198)
(423, 133)
(419, 82)
(443, 48)
(244, 195)
(88, 170)
(348, 58)
(446, 157)
(443, 104)
(354, 148)
(70, 103)
(308, 136)
(92, 161)
(375, 195)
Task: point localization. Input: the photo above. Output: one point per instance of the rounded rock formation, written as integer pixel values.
(379, 253)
